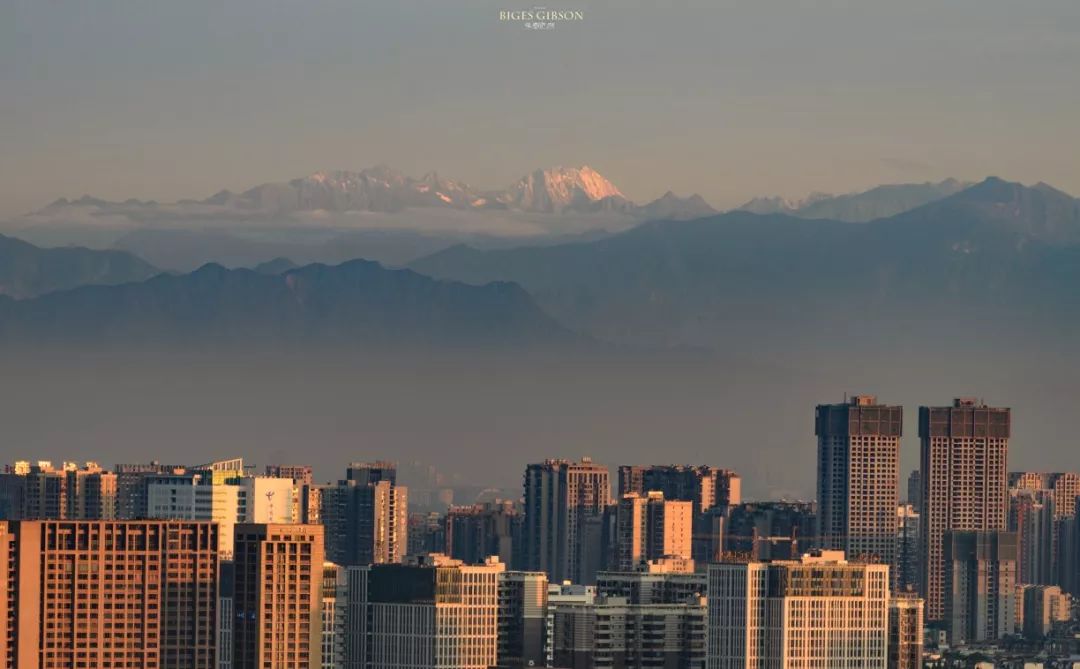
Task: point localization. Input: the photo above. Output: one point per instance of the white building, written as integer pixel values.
(817, 612)
(193, 497)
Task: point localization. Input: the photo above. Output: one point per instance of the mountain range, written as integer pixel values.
(878, 202)
(358, 304)
(27, 270)
(996, 252)
(559, 190)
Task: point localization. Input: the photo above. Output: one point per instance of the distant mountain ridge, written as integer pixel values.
(879, 202)
(383, 189)
(355, 304)
(996, 252)
(27, 270)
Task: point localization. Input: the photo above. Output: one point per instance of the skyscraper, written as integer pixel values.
(858, 478)
(905, 573)
(818, 611)
(83, 593)
(964, 452)
(564, 509)
(277, 596)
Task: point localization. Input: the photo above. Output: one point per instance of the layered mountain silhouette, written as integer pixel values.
(355, 304)
(27, 270)
(995, 257)
(879, 202)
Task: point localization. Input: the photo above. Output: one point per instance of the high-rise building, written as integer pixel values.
(301, 475)
(1041, 512)
(664, 581)
(366, 516)
(277, 596)
(427, 534)
(41, 492)
(914, 489)
(131, 487)
(109, 594)
(649, 527)
(334, 580)
(712, 490)
(980, 585)
(905, 572)
(473, 533)
(1043, 606)
(818, 611)
(653, 617)
(768, 531)
(565, 504)
(523, 598)
(905, 631)
(858, 480)
(1031, 518)
(430, 612)
(964, 458)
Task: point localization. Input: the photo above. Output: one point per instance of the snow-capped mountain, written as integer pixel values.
(383, 189)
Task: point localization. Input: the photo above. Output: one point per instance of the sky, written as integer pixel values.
(731, 99)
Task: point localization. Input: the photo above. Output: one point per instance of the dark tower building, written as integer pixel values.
(858, 479)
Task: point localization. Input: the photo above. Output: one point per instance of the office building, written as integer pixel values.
(565, 504)
(859, 477)
(818, 611)
(964, 463)
(109, 594)
(277, 596)
(980, 586)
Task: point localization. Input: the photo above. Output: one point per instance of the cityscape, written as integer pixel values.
(593, 334)
(219, 565)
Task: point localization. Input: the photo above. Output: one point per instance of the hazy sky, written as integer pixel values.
(155, 99)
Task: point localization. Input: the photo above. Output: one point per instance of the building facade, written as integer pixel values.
(980, 586)
(964, 483)
(818, 611)
(109, 594)
(277, 596)
(858, 479)
(565, 503)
